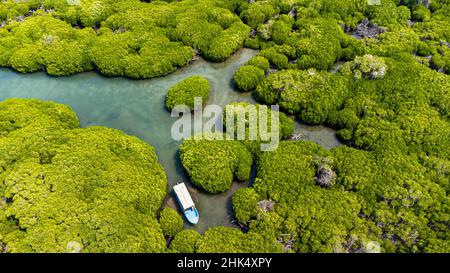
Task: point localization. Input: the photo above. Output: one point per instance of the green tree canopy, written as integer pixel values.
(70, 189)
(214, 164)
(185, 241)
(248, 77)
(185, 92)
(170, 221)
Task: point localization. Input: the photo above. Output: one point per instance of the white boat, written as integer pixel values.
(186, 203)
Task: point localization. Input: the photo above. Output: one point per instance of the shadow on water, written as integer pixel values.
(137, 108)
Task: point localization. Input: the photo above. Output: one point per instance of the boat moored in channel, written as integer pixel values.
(186, 203)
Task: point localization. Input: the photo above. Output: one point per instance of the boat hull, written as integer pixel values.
(191, 215)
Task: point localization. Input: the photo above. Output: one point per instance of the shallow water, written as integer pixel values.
(137, 108)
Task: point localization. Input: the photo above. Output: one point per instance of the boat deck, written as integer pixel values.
(183, 196)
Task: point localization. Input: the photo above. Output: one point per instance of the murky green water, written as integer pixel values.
(137, 107)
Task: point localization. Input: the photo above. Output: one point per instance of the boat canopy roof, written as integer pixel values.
(183, 196)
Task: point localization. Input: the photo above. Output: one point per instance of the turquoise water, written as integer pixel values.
(137, 108)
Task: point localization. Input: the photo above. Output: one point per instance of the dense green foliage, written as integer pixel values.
(137, 56)
(171, 223)
(223, 240)
(311, 94)
(386, 95)
(315, 219)
(379, 199)
(260, 62)
(367, 66)
(406, 111)
(230, 240)
(143, 40)
(118, 38)
(185, 92)
(384, 86)
(214, 164)
(248, 77)
(67, 189)
(245, 204)
(391, 194)
(242, 111)
(185, 241)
